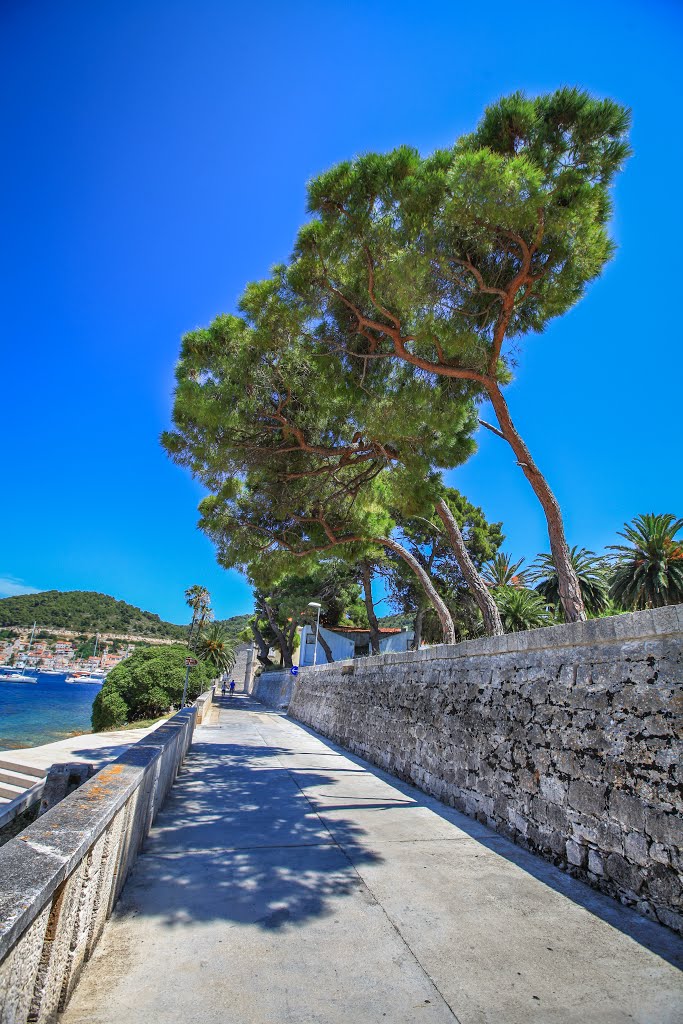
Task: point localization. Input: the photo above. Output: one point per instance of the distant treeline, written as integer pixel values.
(86, 611)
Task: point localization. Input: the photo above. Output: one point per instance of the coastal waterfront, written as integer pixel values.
(42, 713)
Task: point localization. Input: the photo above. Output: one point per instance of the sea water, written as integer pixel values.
(42, 712)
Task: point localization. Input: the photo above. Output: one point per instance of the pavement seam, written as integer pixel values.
(392, 924)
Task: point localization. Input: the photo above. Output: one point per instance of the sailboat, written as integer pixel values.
(11, 675)
(96, 676)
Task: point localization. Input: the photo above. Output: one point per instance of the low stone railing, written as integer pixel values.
(203, 704)
(60, 878)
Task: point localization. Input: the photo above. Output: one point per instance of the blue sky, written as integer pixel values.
(155, 160)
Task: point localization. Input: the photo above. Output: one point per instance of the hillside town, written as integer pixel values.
(50, 653)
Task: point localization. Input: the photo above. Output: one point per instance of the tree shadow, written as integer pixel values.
(237, 841)
(244, 839)
(100, 755)
(649, 934)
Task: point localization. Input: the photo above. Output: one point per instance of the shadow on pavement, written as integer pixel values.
(649, 934)
(237, 841)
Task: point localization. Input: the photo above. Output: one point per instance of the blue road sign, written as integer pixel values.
(294, 670)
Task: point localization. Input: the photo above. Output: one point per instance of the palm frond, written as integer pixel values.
(591, 572)
(648, 569)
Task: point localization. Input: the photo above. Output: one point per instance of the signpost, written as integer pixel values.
(189, 663)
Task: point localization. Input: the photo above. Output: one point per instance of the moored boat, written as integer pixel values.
(16, 677)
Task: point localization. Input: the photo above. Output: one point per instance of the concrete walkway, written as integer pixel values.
(98, 748)
(288, 883)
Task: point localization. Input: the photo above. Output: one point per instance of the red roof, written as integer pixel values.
(361, 629)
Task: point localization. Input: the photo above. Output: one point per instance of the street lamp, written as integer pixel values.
(315, 604)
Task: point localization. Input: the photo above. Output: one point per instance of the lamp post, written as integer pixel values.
(315, 604)
(189, 663)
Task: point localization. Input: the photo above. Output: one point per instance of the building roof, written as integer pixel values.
(362, 629)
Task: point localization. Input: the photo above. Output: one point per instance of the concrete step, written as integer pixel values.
(25, 769)
(17, 778)
(10, 791)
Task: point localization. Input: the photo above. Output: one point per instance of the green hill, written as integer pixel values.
(399, 619)
(84, 611)
(235, 624)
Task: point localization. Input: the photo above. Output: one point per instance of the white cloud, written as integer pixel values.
(10, 586)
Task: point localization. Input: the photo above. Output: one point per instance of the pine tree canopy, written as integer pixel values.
(441, 259)
(330, 405)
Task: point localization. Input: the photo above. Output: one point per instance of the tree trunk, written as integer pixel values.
(262, 645)
(429, 588)
(200, 626)
(366, 577)
(570, 589)
(417, 628)
(482, 595)
(326, 647)
(285, 649)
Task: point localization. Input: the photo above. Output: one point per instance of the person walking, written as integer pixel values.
(232, 687)
(223, 688)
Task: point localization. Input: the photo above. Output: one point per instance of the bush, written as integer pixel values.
(109, 710)
(146, 685)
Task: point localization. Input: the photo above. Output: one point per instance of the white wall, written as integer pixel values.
(340, 646)
(397, 643)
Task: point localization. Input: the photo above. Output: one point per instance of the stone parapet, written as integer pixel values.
(274, 688)
(61, 877)
(566, 739)
(203, 704)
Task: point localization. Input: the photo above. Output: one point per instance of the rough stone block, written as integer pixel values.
(659, 854)
(518, 821)
(588, 797)
(553, 789)
(623, 873)
(636, 848)
(664, 828)
(664, 886)
(665, 620)
(627, 810)
(671, 918)
(585, 830)
(18, 971)
(575, 854)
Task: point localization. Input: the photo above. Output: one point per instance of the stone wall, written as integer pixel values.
(60, 878)
(565, 739)
(204, 705)
(274, 688)
(242, 670)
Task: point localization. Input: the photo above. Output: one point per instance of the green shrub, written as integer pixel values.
(146, 685)
(109, 710)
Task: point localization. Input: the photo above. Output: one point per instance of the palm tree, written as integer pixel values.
(649, 569)
(521, 609)
(199, 600)
(590, 572)
(501, 571)
(216, 647)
